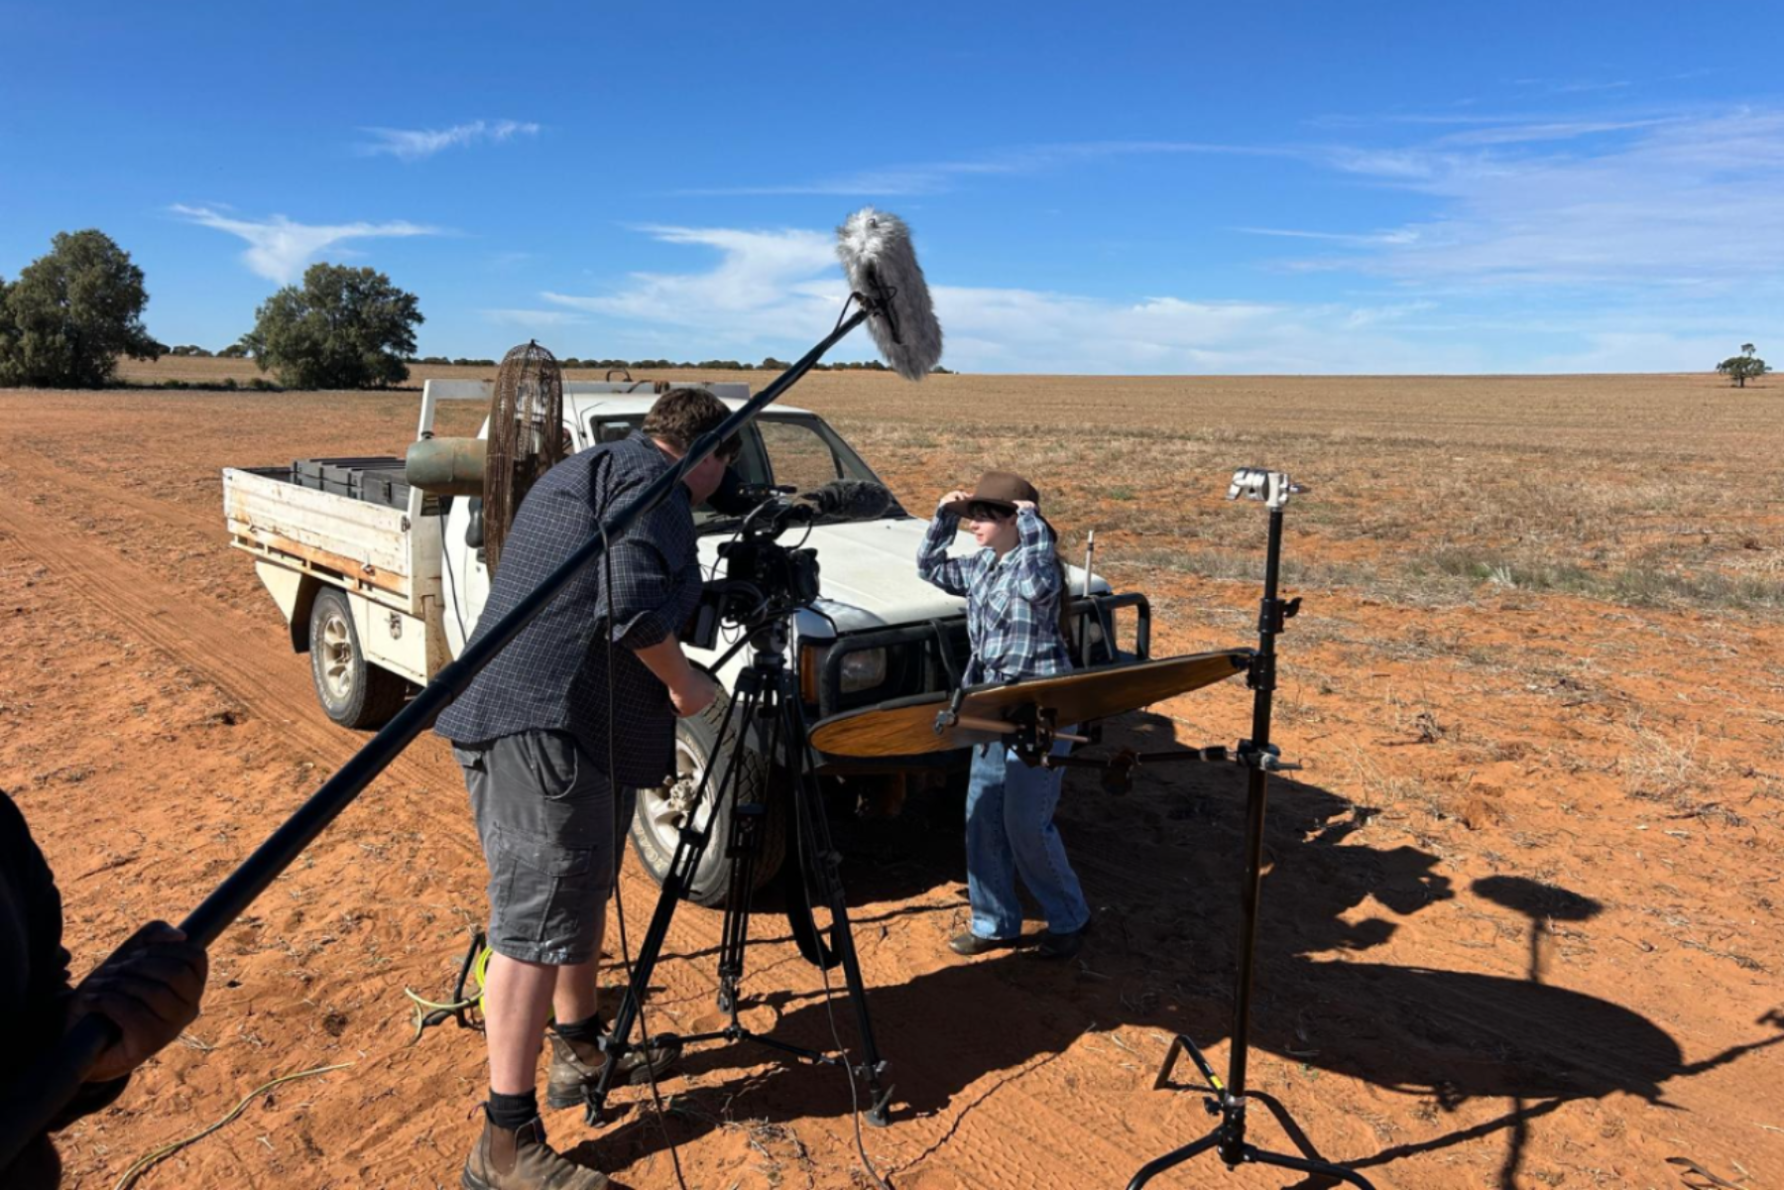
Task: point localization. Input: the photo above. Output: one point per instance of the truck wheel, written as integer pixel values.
(352, 693)
(661, 812)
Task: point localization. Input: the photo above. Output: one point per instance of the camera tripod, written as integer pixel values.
(766, 704)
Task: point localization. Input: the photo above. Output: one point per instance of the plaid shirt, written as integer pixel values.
(554, 675)
(1013, 602)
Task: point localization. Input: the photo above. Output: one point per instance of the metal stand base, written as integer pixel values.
(1228, 1138)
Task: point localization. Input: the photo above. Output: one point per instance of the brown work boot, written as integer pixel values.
(576, 1068)
(521, 1160)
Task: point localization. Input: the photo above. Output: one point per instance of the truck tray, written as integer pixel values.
(339, 475)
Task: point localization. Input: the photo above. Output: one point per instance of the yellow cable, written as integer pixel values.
(481, 970)
(423, 1007)
(143, 1163)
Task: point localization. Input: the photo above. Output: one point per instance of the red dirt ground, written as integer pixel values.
(1522, 919)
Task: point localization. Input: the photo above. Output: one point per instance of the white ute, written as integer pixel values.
(381, 584)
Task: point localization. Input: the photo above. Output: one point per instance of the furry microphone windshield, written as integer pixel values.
(875, 249)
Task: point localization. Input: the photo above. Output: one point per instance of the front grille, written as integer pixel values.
(931, 657)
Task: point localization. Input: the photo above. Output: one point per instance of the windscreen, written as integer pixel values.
(797, 451)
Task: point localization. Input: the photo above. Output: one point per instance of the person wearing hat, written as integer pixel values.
(1016, 592)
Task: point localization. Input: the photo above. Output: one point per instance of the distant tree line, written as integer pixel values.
(770, 364)
(74, 312)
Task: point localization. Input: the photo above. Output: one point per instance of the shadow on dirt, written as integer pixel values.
(1163, 867)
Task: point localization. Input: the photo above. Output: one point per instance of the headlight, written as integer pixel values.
(863, 670)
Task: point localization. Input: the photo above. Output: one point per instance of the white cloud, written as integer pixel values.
(1405, 235)
(1687, 202)
(779, 291)
(1546, 243)
(1525, 132)
(938, 177)
(415, 144)
(1009, 330)
(1576, 88)
(766, 282)
(279, 249)
(532, 318)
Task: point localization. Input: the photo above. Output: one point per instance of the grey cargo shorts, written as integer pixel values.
(545, 815)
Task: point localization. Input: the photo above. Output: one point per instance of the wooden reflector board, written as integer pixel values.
(907, 727)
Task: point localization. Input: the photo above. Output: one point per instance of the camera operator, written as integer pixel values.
(532, 734)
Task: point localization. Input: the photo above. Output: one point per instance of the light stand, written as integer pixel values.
(1228, 1100)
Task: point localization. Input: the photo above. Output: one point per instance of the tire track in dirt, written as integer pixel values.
(233, 651)
(228, 650)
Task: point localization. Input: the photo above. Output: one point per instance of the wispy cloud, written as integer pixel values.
(1553, 241)
(1582, 87)
(1405, 235)
(897, 181)
(279, 249)
(416, 144)
(1526, 132)
(1686, 201)
(532, 318)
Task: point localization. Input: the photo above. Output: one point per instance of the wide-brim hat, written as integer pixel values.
(1000, 489)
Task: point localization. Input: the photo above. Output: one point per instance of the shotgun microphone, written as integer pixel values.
(883, 272)
(850, 499)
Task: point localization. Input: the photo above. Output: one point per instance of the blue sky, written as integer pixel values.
(1108, 188)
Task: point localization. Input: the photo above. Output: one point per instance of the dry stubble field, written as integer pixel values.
(1522, 920)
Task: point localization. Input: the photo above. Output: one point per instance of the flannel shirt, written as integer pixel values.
(1013, 602)
(554, 675)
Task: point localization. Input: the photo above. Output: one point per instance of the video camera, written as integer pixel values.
(762, 577)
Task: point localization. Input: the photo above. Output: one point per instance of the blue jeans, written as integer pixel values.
(1011, 833)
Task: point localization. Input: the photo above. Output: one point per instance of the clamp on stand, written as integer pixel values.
(1030, 731)
(1227, 1100)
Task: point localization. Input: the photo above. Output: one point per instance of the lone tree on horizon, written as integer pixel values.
(1741, 368)
(343, 328)
(72, 313)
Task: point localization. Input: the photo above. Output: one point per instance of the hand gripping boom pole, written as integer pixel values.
(53, 1081)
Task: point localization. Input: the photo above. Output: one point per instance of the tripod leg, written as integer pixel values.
(1181, 1045)
(690, 846)
(818, 856)
(1302, 1165)
(743, 846)
(746, 823)
(1159, 1165)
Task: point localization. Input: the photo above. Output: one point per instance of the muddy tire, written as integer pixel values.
(352, 692)
(660, 813)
